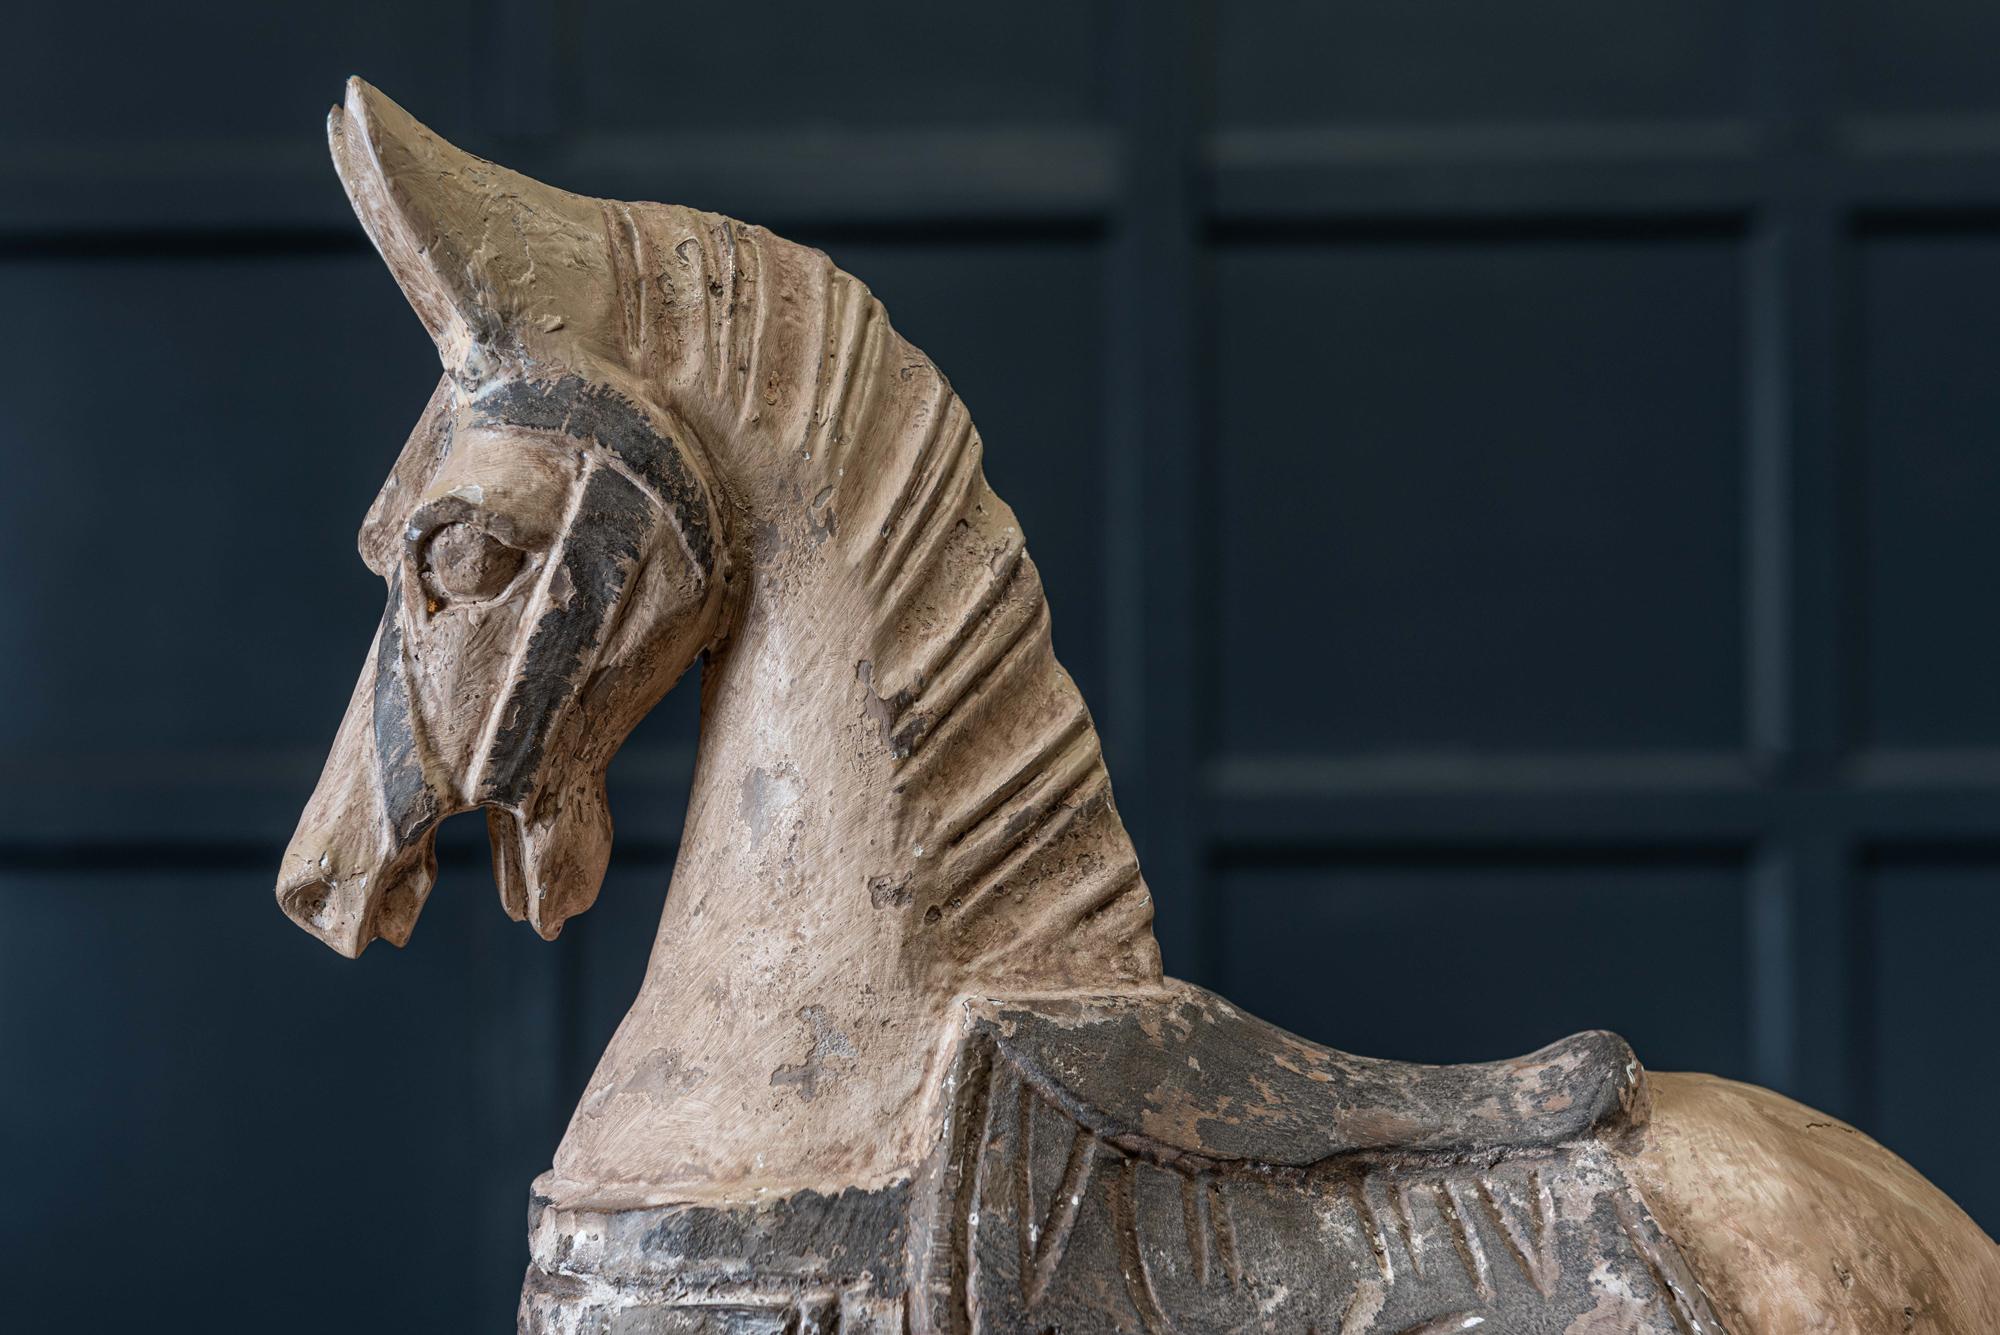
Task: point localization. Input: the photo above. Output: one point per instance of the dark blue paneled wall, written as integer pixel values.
(1517, 484)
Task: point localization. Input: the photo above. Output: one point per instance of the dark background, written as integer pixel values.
(1517, 484)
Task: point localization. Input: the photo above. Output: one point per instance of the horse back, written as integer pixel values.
(1169, 1163)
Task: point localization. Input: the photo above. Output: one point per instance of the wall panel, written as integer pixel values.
(196, 1087)
(1484, 954)
(85, 82)
(193, 483)
(1929, 306)
(1291, 61)
(1928, 57)
(1932, 916)
(658, 68)
(1479, 493)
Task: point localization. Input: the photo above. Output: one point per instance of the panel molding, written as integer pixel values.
(1007, 174)
(807, 177)
(232, 798)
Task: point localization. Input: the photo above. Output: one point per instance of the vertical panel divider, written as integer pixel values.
(1771, 632)
(1815, 732)
(1772, 988)
(1828, 934)
(1155, 522)
(1767, 520)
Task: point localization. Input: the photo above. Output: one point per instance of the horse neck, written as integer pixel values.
(894, 765)
(887, 731)
(883, 820)
(899, 797)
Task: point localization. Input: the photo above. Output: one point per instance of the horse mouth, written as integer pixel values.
(347, 909)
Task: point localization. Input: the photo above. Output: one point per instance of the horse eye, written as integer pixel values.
(466, 564)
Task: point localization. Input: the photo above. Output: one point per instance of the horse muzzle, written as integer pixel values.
(363, 859)
(334, 888)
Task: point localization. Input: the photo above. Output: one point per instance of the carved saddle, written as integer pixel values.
(1164, 1163)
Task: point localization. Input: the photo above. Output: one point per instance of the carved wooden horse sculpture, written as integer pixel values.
(904, 1057)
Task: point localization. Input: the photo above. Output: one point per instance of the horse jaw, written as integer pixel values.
(549, 865)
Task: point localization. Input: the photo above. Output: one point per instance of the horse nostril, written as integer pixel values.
(308, 901)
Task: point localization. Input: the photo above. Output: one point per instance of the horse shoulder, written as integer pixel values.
(1796, 1222)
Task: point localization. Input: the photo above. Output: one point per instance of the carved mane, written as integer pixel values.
(807, 385)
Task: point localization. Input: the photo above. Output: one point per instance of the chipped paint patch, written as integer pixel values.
(825, 1045)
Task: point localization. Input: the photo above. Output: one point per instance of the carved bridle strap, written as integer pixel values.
(409, 804)
(597, 414)
(601, 549)
(600, 553)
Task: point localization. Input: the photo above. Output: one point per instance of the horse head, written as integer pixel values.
(550, 541)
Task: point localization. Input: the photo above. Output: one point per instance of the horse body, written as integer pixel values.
(907, 937)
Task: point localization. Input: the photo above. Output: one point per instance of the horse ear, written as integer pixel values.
(482, 253)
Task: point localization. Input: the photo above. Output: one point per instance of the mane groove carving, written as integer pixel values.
(1000, 790)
